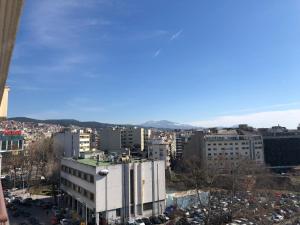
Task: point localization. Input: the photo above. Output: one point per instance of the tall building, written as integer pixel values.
(179, 146)
(84, 141)
(159, 150)
(4, 103)
(224, 150)
(104, 192)
(67, 143)
(116, 139)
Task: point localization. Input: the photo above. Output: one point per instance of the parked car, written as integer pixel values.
(146, 221)
(155, 220)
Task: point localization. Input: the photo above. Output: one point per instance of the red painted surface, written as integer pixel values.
(12, 132)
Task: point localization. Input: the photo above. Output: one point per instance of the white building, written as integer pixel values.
(108, 191)
(225, 150)
(71, 143)
(158, 149)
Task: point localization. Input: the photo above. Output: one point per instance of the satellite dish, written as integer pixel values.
(103, 172)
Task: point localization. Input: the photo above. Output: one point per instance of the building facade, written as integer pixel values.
(281, 147)
(4, 103)
(11, 141)
(114, 139)
(84, 141)
(106, 192)
(159, 150)
(67, 143)
(224, 151)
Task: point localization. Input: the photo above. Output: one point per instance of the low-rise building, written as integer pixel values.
(11, 141)
(106, 192)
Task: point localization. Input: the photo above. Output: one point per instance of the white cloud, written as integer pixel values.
(157, 53)
(288, 118)
(176, 35)
(55, 24)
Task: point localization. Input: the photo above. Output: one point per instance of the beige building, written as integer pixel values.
(224, 150)
(84, 142)
(4, 103)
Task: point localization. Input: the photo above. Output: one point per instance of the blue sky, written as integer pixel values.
(202, 62)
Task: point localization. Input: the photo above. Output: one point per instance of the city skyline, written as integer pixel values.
(207, 63)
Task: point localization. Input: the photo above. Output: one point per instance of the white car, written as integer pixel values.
(139, 222)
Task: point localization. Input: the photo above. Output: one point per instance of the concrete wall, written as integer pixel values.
(67, 143)
(110, 140)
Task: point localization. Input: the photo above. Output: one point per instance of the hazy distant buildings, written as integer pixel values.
(105, 191)
(224, 149)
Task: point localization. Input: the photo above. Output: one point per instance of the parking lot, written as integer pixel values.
(245, 208)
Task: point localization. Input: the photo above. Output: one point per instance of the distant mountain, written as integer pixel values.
(167, 125)
(162, 124)
(65, 122)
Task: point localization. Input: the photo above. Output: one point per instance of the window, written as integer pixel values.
(8, 145)
(132, 191)
(3, 147)
(118, 212)
(148, 206)
(91, 178)
(132, 209)
(92, 196)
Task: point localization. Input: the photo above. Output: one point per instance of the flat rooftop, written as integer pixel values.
(93, 162)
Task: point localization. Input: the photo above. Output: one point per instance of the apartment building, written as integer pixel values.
(114, 139)
(223, 150)
(67, 143)
(105, 191)
(84, 141)
(159, 150)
